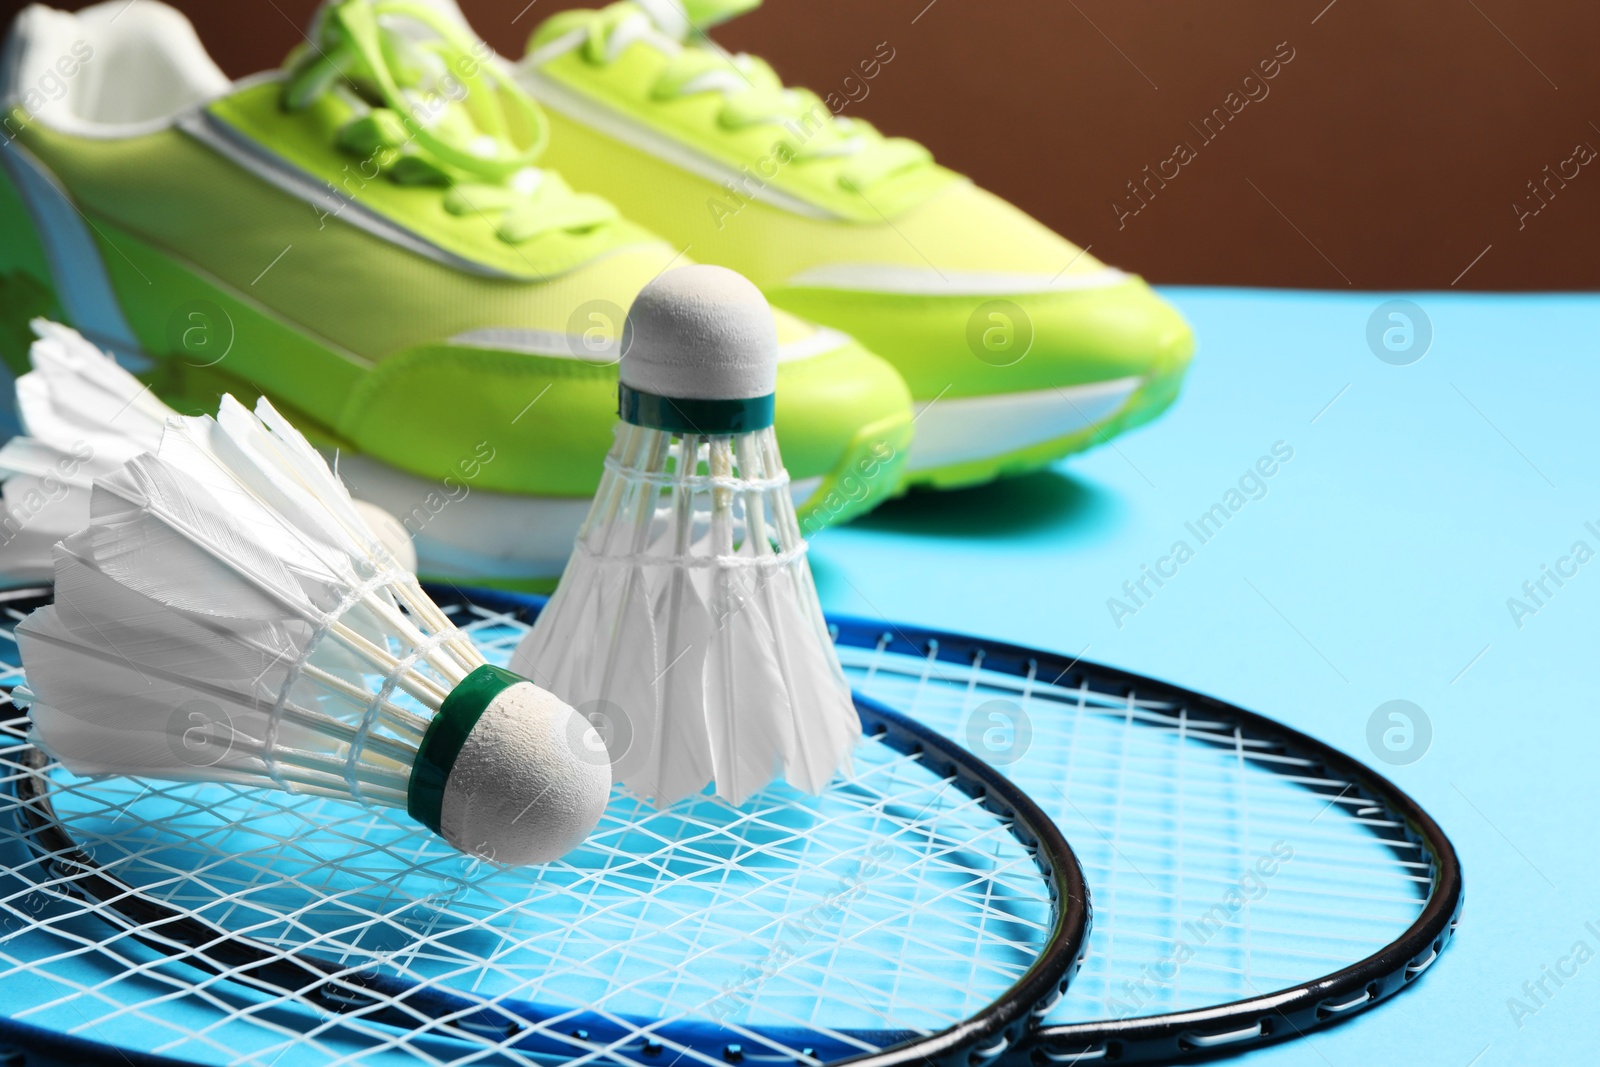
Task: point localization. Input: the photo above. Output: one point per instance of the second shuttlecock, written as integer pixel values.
(687, 625)
(228, 615)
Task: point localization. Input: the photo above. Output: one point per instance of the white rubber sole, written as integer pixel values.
(965, 429)
(465, 533)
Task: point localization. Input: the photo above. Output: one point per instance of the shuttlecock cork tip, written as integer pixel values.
(700, 354)
(509, 772)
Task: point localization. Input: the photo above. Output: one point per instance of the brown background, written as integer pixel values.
(1386, 155)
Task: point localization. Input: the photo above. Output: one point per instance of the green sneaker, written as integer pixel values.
(1018, 346)
(363, 237)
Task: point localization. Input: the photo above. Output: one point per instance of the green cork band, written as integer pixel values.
(710, 417)
(446, 734)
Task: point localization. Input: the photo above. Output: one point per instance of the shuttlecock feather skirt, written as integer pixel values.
(200, 634)
(687, 627)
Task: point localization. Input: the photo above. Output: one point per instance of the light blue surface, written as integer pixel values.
(1377, 566)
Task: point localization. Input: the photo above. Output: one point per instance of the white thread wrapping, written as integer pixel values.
(693, 482)
(775, 561)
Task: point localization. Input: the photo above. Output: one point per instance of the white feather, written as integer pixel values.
(76, 393)
(688, 603)
(170, 539)
(84, 416)
(227, 615)
(200, 632)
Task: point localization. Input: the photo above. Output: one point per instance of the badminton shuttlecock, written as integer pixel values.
(687, 623)
(83, 416)
(227, 615)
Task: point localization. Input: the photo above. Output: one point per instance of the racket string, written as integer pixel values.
(1171, 809)
(958, 878)
(232, 900)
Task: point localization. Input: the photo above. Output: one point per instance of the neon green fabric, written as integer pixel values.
(475, 222)
(24, 293)
(392, 409)
(839, 224)
(852, 171)
(412, 353)
(471, 128)
(358, 291)
(1093, 335)
(770, 244)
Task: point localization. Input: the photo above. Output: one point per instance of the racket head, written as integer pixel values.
(1134, 770)
(807, 930)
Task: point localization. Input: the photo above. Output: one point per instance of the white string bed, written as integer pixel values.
(1177, 820)
(893, 901)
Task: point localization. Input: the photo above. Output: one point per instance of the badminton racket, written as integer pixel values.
(921, 909)
(1250, 883)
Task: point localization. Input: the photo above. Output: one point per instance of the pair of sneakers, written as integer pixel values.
(423, 253)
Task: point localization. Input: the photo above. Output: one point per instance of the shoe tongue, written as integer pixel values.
(419, 59)
(414, 59)
(413, 70)
(677, 17)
